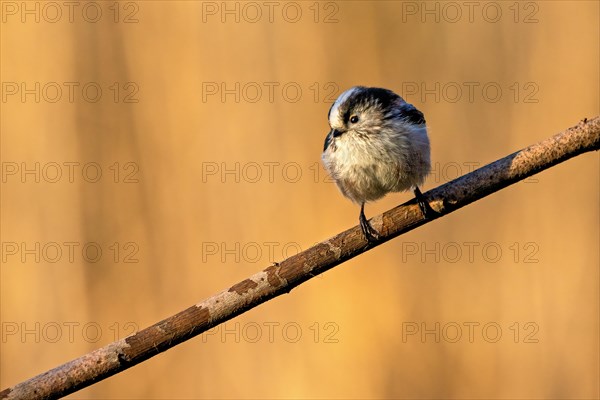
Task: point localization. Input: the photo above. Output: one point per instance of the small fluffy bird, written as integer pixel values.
(377, 144)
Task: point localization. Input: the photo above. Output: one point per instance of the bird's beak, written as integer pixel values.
(336, 133)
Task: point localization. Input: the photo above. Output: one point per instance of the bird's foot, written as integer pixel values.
(426, 209)
(370, 233)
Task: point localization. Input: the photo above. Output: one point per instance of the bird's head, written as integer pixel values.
(366, 111)
(362, 110)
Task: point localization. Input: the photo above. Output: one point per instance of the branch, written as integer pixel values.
(282, 277)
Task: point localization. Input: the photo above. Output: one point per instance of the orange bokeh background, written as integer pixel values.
(206, 121)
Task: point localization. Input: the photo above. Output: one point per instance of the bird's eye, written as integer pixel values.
(354, 119)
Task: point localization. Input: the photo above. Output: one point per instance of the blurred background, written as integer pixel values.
(154, 153)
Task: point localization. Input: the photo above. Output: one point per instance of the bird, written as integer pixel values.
(377, 144)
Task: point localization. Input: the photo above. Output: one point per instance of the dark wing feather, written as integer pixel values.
(411, 114)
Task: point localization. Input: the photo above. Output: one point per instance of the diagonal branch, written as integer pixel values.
(282, 277)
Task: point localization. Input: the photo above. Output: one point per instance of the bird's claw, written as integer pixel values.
(428, 212)
(370, 233)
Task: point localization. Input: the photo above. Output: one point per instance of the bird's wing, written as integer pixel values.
(410, 113)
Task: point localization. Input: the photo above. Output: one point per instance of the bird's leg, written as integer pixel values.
(370, 233)
(426, 209)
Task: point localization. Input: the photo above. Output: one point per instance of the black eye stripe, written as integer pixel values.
(347, 114)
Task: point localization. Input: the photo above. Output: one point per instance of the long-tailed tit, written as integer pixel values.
(377, 144)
